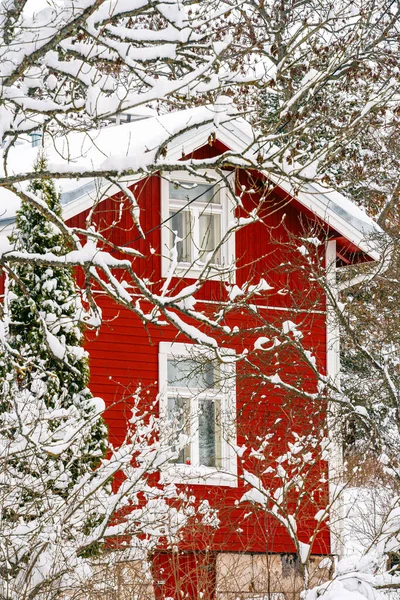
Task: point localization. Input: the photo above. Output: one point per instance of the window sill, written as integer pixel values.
(188, 271)
(191, 475)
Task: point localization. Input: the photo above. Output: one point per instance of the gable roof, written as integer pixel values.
(134, 145)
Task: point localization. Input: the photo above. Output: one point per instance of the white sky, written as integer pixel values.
(33, 6)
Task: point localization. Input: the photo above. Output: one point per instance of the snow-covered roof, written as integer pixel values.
(134, 146)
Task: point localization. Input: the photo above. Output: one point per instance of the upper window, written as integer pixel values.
(196, 217)
(197, 403)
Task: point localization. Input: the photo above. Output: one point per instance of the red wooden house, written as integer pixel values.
(225, 411)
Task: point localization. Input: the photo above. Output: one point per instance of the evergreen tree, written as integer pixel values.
(44, 318)
(52, 436)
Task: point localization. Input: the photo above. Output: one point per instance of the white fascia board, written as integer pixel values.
(311, 197)
(200, 139)
(318, 203)
(237, 139)
(86, 201)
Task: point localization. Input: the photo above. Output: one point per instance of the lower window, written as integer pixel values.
(198, 409)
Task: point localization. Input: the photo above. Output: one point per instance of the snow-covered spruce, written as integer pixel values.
(43, 325)
(52, 434)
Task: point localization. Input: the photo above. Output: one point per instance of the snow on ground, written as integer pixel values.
(365, 510)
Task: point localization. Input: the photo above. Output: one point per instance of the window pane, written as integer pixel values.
(178, 415)
(180, 226)
(185, 372)
(180, 190)
(210, 235)
(208, 434)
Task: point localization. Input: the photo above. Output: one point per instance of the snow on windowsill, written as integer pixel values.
(197, 475)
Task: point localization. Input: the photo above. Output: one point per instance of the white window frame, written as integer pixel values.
(226, 474)
(227, 211)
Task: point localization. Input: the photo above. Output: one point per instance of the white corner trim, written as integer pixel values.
(332, 326)
(335, 454)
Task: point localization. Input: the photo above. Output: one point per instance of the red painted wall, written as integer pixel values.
(124, 354)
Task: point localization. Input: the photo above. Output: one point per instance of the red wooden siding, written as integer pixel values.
(124, 354)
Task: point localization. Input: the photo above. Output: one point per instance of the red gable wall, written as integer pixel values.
(125, 354)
